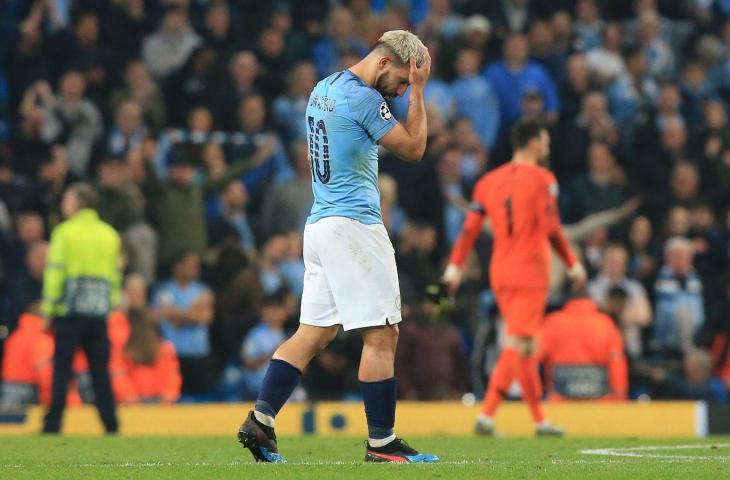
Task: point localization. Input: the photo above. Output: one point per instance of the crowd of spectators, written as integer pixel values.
(188, 116)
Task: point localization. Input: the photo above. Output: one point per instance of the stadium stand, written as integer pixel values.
(189, 117)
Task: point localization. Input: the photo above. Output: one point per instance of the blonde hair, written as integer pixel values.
(403, 45)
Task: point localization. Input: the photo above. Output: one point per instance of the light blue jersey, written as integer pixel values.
(345, 120)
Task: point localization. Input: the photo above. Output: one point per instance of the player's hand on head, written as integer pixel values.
(419, 75)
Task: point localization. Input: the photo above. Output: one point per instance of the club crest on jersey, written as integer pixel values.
(385, 112)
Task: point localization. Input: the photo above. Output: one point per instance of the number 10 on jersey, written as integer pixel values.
(319, 148)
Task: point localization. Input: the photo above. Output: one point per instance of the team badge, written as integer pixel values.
(385, 112)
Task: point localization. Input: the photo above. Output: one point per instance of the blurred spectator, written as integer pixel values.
(511, 15)
(430, 361)
(678, 222)
(190, 85)
(29, 230)
(14, 189)
(475, 98)
(454, 196)
(605, 61)
(668, 110)
(367, 24)
(636, 312)
(602, 188)
(73, 119)
(286, 205)
(140, 88)
(24, 288)
(692, 381)
(416, 246)
(577, 84)
(684, 184)
(127, 22)
(262, 341)
(28, 365)
(679, 305)
(176, 205)
(582, 352)
(642, 256)
(150, 363)
(122, 205)
(587, 26)
(714, 142)
(171, 45)
(593, 124)
(696, 89)
(275, 61)
(242, 80)
(394, 217)
(271, 163)
(659, 54)
(515, 75)
(634, 91)
(287, 111)
(230, 209)
(440, 22)
(128, 130)
(339, 39)
(476, 34)
(86, 54)
(183, 306)
(217, 28)
(544, 50)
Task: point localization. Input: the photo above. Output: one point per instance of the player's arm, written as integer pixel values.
(556, 235)
(408, 140)
(618, 370)
(464, 244)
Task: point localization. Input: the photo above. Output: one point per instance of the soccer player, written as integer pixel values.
(520, 199)
(351, 278)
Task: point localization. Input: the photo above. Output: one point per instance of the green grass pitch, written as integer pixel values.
(43, 457)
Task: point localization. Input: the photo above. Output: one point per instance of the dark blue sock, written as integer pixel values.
(379, 398)
(280, 380)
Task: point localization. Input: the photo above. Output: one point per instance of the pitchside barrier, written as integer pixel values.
(581, 419)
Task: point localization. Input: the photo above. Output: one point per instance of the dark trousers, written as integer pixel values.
(90, 333)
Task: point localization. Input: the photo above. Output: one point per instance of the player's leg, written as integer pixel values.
(282, 377)
(529, 378)
(530, 311)
(286, 367)
(95, 342)
(377, 382)
(66, 338)
(505, 370)
(319, 324)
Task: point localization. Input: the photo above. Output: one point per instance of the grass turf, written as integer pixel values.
(95, 458)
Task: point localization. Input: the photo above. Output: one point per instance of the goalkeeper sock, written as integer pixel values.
(531, 387)
(279, 382)
(500, 380)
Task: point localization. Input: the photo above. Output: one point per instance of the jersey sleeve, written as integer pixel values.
(372, 113)
(471, 228)
(54, 274)
(550, 215)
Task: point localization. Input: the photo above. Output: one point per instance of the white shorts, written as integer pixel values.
(350, 276)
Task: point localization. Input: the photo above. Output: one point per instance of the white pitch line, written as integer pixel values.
(640, 452)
